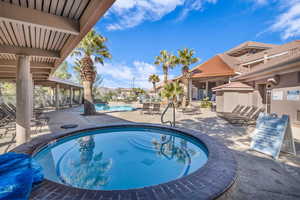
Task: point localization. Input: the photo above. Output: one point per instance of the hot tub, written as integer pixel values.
(128, 160)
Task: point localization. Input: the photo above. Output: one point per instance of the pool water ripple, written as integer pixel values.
(121, 158)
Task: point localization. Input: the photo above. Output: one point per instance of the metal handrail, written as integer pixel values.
(173, 124)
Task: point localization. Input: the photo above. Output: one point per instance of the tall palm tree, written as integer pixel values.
(154, 79)
(185, 59)
(167, 61)
(92, 50)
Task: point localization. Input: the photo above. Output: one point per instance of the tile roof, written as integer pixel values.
(272, 51)
(251, 44)
(233, 85)
(212, 68)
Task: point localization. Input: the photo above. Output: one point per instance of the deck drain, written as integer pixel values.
(68, 126)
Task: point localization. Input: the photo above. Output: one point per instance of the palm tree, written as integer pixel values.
(154, 79)
(172, 91)
(91, 50)
(62, 72)
(167, 60)
(186, 58)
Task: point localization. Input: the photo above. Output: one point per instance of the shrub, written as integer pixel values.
(205, 103)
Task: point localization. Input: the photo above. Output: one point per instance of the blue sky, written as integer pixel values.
(138, 29)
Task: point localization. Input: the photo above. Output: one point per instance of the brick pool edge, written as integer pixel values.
(215, 180)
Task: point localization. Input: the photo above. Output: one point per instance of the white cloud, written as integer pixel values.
(191, 5)
(260, 2)
(121, 75)
(288, 22)
(130, 13)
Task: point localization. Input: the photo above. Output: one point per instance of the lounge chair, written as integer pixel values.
(39, 120)
(156, 108)
(236, 110)
(248, 119)
(146, 108)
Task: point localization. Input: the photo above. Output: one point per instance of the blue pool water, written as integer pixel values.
(106, 107)
(121, 158)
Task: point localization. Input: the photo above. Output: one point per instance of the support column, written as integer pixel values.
(190, 90)
(206, 89)
(23, 96)
(57, 97)
(80, 96)
(71, 96)
(52, 89)
(31, 95)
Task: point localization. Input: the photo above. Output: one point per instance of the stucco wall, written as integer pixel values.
(288, 82)
(219, 101)
(228, 100)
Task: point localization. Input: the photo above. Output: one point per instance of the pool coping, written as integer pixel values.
(213, 180)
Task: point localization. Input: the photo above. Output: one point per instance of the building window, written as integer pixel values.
(298, 115)
(298, 77)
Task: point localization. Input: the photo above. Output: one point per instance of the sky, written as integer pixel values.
(137, 30)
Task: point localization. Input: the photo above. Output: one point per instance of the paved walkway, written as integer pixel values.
(260, 177)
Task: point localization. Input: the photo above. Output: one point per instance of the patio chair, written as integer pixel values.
(156, 108)
(248, 119)
(39, 119)
(236, 110)
(146, 108)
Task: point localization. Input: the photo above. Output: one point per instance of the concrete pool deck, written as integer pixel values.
(260, 177)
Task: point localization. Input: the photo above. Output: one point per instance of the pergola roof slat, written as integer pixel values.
(42, 39)
(46, 6)
(45, 30)
(82, 5)
(5, 33)
(53, 6)
(11, 33)
(37, 18)
(38, 5)
(75, 7)
(68, 7)
(27, 35)
(31, 4)
(60, 7)
(32, 35)
(45, 42)
(19, 34)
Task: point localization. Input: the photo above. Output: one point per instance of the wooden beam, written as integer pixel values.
(13, 74)
(4, 49)
(94, 11)
(32, 70)
(13, 64)
(33, 17)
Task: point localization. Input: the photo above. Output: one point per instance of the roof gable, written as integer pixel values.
(212, 68)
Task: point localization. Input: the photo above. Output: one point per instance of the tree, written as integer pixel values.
(92, 50)
(62, 72)
(186, 58)
(172, 91)
(154, 79)
(167, 61)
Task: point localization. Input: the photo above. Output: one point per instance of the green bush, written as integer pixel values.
(205, 103)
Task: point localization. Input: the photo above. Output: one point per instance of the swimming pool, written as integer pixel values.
(121, 158)
(106, 107)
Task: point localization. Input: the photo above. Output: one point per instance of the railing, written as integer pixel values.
(173, 124)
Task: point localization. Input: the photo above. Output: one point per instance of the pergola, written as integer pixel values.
(56, 84)
(35, 38)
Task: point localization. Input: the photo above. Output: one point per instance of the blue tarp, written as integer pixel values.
(18, 173)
